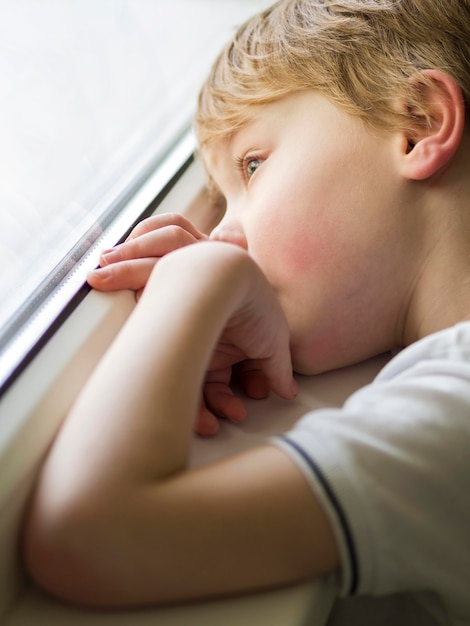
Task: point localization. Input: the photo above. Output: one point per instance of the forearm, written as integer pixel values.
(133, 420)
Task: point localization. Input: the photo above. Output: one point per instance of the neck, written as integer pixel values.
(440, 293)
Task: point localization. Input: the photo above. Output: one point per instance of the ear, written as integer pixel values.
(436, 130)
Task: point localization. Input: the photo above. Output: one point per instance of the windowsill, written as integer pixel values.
(302, 604)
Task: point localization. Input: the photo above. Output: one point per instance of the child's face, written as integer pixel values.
(318, 202)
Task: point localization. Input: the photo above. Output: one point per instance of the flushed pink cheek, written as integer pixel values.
(295, 253)
(302, 253)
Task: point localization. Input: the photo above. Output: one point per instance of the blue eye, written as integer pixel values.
(248, 165)
(251, 165)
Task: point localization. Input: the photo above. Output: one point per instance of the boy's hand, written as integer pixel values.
(254, 347)
(129, 265)
(219, 400)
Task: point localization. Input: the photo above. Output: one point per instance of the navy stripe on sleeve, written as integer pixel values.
(339, 512)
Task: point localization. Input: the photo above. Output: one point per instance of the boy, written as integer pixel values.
(336, 133)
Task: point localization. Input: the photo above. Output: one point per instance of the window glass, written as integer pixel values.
(92, 95)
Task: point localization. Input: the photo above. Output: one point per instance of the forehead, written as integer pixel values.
(259, 122)
(221, 143)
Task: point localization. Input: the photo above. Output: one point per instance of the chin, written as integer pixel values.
(310, 369)
(310, 365)
(318, 361)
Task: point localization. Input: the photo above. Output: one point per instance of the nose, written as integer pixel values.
(230, 231)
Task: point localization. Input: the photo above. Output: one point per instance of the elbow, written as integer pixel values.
(64, 554)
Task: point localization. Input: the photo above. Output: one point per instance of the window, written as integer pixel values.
(96, 100)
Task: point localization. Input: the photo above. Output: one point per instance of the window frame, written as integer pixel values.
(47, 309)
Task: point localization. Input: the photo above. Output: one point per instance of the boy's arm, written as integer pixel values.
(129, 265)
(117, 517)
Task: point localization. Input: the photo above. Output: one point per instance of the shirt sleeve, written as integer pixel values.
(392, 468)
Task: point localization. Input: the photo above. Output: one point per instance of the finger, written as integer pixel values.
(155, 222)
(221, 401)
(153, 244)
(279, 376)
(125, 275)
(206, 424)
(253, 380)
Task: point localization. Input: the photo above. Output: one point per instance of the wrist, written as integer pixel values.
(220, 272)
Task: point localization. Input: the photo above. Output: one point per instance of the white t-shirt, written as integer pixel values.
(392, 467)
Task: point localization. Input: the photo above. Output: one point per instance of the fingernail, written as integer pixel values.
(295, 388)
(103, 273)
(109, 256)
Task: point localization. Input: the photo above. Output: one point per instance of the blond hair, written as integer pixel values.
(360, 54)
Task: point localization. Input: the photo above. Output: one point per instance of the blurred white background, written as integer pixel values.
(90, 91)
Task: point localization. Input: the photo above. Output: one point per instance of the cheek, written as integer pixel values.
(285, 251)
(302, 251)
